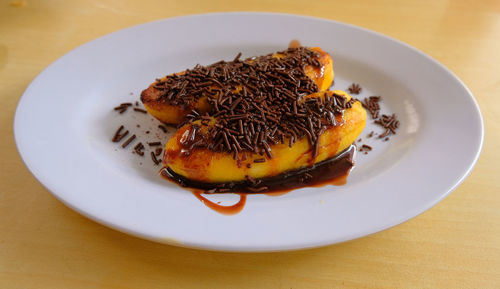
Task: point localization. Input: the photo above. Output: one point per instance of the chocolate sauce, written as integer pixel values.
(191, 139)
(225, 210)
(331, 171)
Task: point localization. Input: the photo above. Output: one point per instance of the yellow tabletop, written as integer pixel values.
(456, 244)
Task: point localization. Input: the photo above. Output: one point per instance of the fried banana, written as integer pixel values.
(195, 153)
(172, 98)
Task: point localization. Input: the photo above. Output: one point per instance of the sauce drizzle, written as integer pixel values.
(225, 210)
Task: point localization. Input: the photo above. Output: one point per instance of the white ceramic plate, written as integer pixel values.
(64, 122)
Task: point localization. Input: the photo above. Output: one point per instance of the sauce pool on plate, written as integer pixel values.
(333, 171)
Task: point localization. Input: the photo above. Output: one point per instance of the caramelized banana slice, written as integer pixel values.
(172, 98)
(188, 154)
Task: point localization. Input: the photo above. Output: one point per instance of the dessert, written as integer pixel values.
(246, 125)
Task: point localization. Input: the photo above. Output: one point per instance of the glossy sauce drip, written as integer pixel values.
(225, 210)
(190, 139)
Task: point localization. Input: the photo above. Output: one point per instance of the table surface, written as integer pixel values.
(456, 244)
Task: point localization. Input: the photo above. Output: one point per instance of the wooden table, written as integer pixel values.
(456, 244)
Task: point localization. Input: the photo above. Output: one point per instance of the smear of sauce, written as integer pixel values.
(225, 210)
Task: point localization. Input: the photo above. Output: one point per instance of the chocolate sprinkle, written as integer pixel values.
(354, 88)
(118, 135)
(140, 110)
(155, 160)
(163, 128)
(390, 123)
(128, 141)
(372, 105)
(366, 147)
(123, 107)
(138, 149)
